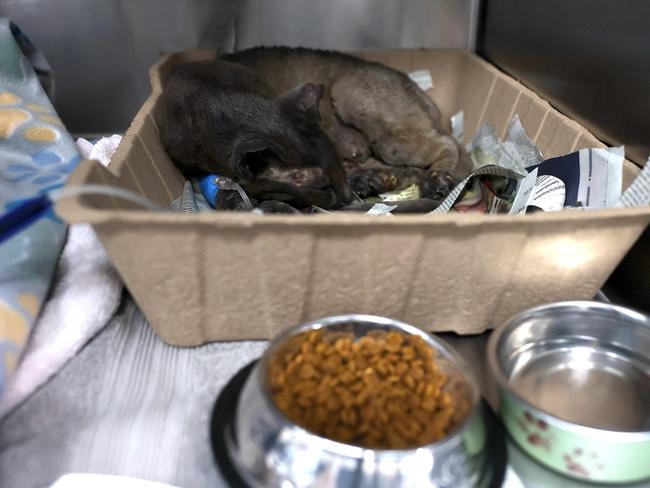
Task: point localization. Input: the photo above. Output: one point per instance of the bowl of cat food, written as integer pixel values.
(574, 379)
(358, 400)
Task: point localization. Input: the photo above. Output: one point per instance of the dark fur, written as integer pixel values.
(220, 117)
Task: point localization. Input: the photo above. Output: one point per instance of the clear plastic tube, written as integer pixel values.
(228, 184)
(113, 191)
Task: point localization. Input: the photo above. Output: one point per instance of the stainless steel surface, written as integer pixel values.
(272, 451)
(357, 24)
(571, 359)
(630, 279)
(100, 51)
(588, 57)
(590, 377)
(574, 381)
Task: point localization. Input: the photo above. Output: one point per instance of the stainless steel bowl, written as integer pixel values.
(574, 379)
(270, 450)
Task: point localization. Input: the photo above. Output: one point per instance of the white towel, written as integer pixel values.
(102, 151)
(86, 293)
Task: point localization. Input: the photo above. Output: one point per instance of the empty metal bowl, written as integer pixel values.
(574, 379)
(269, 450)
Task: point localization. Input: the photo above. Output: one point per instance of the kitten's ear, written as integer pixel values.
(306, 98)
(247, 156)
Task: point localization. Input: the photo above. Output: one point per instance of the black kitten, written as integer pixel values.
(219, 117)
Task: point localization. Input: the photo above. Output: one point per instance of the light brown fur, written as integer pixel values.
(367, 108)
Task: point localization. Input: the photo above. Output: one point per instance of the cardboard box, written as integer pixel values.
(227, 276)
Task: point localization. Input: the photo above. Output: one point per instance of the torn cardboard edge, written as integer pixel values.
(91, 209)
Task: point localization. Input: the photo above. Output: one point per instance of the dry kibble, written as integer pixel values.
(383, 390)
(417, 373)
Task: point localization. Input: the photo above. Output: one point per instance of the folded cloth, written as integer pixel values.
(86, 294)
(36, 156)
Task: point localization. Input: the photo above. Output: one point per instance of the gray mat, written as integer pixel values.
(127, 404)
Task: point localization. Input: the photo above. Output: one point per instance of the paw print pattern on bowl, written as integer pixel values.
(536, 431)
(582, 465)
